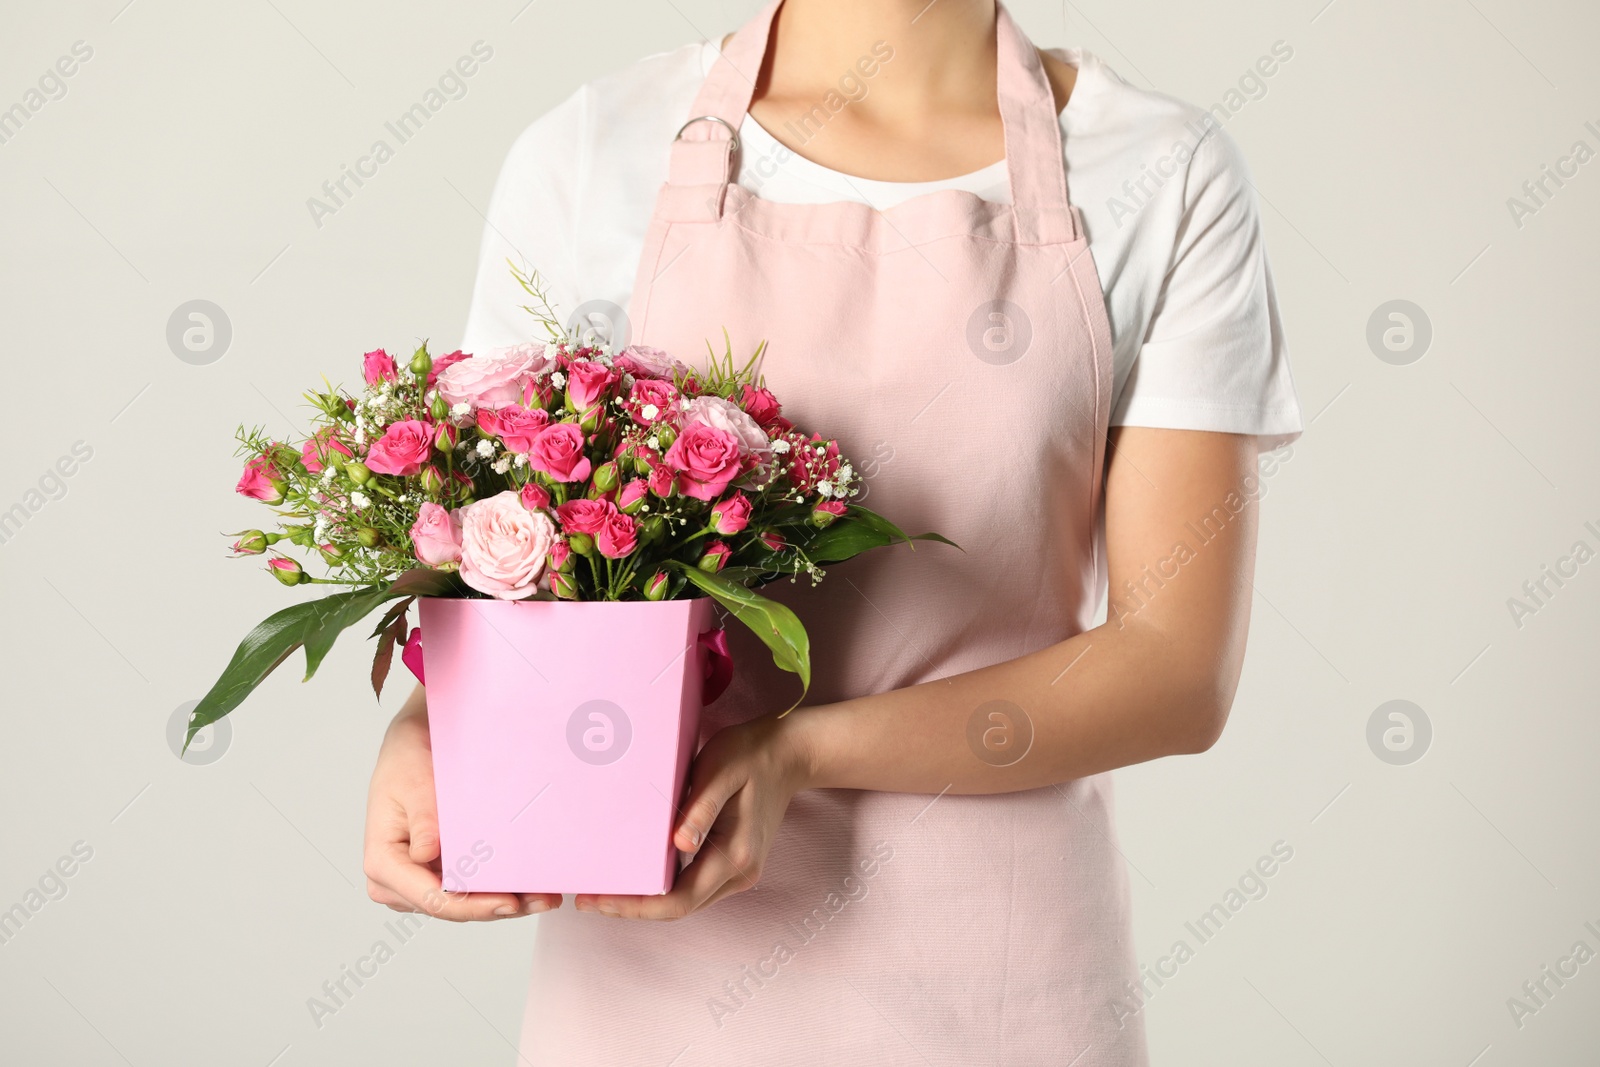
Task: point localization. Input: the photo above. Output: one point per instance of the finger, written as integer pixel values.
(707, 798)
(424, 831)
(421, 889)
(695, 887)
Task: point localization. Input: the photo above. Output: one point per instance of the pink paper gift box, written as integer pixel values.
(562, 734)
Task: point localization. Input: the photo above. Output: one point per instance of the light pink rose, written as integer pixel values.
(436, 535)
(617, 536)
(504, 546)
(493, 380)
(642, 361)
(558, 452)
(515, 425)
(403, 449)
(444, 363)
(378, 366)
(722, 414)
(706, 458)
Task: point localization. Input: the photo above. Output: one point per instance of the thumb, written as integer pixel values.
(424, 826)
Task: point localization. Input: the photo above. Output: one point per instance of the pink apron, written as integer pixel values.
(960, 352)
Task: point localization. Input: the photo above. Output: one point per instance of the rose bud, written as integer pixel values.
(333, 554)
(368, 537)
(656, 587)
(286, 571)
(535, 497)
(825, 512)
(605, 477)
(358, 473)
(715, 557)
(446, 439)
(251, 543)
(440, 408)
(432, 481)
(663, 483)
(421, 362)
(731, 515)
(632, 497)
(561, 557)
(564, 585)
(773, 540)
(581, 543)
(652, 528)
(666, 435)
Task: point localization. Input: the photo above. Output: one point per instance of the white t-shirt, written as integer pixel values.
(1166, 200)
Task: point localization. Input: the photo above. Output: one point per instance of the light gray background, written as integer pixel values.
(220, 897)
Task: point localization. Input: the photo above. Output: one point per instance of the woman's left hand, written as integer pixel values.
(740, 787)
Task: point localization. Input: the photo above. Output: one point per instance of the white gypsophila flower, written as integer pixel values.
(361, 436)
(320, 531)
(403, 499)
(650, 411)
(360, 500)
(654, 442)
(461, 410)
(780, 446)
(427, 397)
(329, 474)
(825, 488)
(502, 464)
(361, 423)
(485, 449)
(522, 459)
(846, 472)
(558, 379)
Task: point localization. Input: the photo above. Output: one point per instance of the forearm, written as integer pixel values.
(1107, 698)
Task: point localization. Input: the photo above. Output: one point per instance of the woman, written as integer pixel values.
(920, 866)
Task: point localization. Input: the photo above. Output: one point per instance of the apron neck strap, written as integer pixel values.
(705, 149)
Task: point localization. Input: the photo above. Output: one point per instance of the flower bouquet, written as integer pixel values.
(563, 517)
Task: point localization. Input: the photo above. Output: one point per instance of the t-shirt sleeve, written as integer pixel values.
(531, 222)
(1214, 356)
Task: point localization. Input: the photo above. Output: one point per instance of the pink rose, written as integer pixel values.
(261, 481)
(504, 546)
(558, 452)
(662, 481)
(535, 497)
(632, 494)
(731, 515)
(436, 535)
(617, 536)
(588, 383)
(315, 451)
(584, 516)
(560, 552)
(714, 556)
(403, 449)
(651, 400)
(811, 461)
(515, 425)
(706, 458)
(493, 380)
(722, 414)
(444, 363)
(378, 366)
(642, 361)
(760, 404)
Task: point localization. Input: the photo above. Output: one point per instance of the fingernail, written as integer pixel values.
(693, 834)
(583, 905)
(534, 906)
(609, 909)
(506, 909)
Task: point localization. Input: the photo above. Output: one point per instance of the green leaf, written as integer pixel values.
(424, 581)
(339, 613)
(392, 635)
(778, 627)
(858, 530)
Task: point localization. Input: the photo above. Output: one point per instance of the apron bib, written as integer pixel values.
(960, 352)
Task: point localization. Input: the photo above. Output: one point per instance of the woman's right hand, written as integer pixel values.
(401, 854)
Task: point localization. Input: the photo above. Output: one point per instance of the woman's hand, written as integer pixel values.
(739, 789)
(401, 856)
